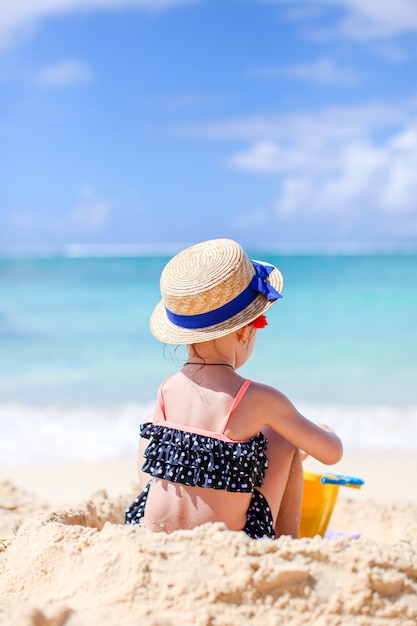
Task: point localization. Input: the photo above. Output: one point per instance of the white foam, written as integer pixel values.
(32, 434)
(365, 427)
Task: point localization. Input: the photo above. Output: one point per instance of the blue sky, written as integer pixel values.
(152, 121)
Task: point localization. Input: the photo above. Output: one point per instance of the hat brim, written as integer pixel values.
(164, 330)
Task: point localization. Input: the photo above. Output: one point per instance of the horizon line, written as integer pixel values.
(113, 250)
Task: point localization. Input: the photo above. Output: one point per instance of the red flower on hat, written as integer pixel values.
(260, 322)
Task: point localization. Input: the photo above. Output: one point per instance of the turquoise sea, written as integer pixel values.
(79, 368)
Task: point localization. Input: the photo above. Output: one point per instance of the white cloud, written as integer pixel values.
(272, 157)
(399, 188)
(362, 19)
(18, 17)
(345, 162)
(331, 124)
(342, 163)
(328, 174)
(322, 71)
(67, 72)
(87, 220)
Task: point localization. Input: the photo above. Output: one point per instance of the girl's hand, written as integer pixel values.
(325, 427)
(304, 455)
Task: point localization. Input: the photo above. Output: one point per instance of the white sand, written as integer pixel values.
(73, 561)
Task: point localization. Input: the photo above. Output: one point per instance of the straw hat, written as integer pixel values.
(210, 290)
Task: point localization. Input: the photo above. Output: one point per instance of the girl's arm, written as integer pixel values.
(281, 415)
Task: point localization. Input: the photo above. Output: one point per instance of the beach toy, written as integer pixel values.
(319, 497)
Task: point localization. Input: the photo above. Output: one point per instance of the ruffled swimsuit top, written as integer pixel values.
(204, 458)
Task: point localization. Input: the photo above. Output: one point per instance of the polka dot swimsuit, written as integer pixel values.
(207, 460)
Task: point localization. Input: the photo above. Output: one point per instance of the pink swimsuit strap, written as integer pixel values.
(200, 431)
(235, 403)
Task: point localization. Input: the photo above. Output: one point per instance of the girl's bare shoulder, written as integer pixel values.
(260, 392)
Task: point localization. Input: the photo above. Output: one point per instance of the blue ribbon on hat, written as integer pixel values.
(258, 285)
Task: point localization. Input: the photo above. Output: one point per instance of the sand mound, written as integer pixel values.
(15, 505)
(84, 567)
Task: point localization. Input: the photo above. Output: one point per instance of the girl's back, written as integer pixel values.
(212, 406)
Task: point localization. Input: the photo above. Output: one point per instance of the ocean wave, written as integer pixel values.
(168, 249)
(33, 434)
(368, 427)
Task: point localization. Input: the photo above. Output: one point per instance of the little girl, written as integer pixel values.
(221, 448)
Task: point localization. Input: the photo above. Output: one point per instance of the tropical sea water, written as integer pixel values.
(79, 368)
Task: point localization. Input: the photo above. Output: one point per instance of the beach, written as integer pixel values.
(79, 371)
(67, 558)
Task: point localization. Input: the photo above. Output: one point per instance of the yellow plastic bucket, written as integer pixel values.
(319, 497)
